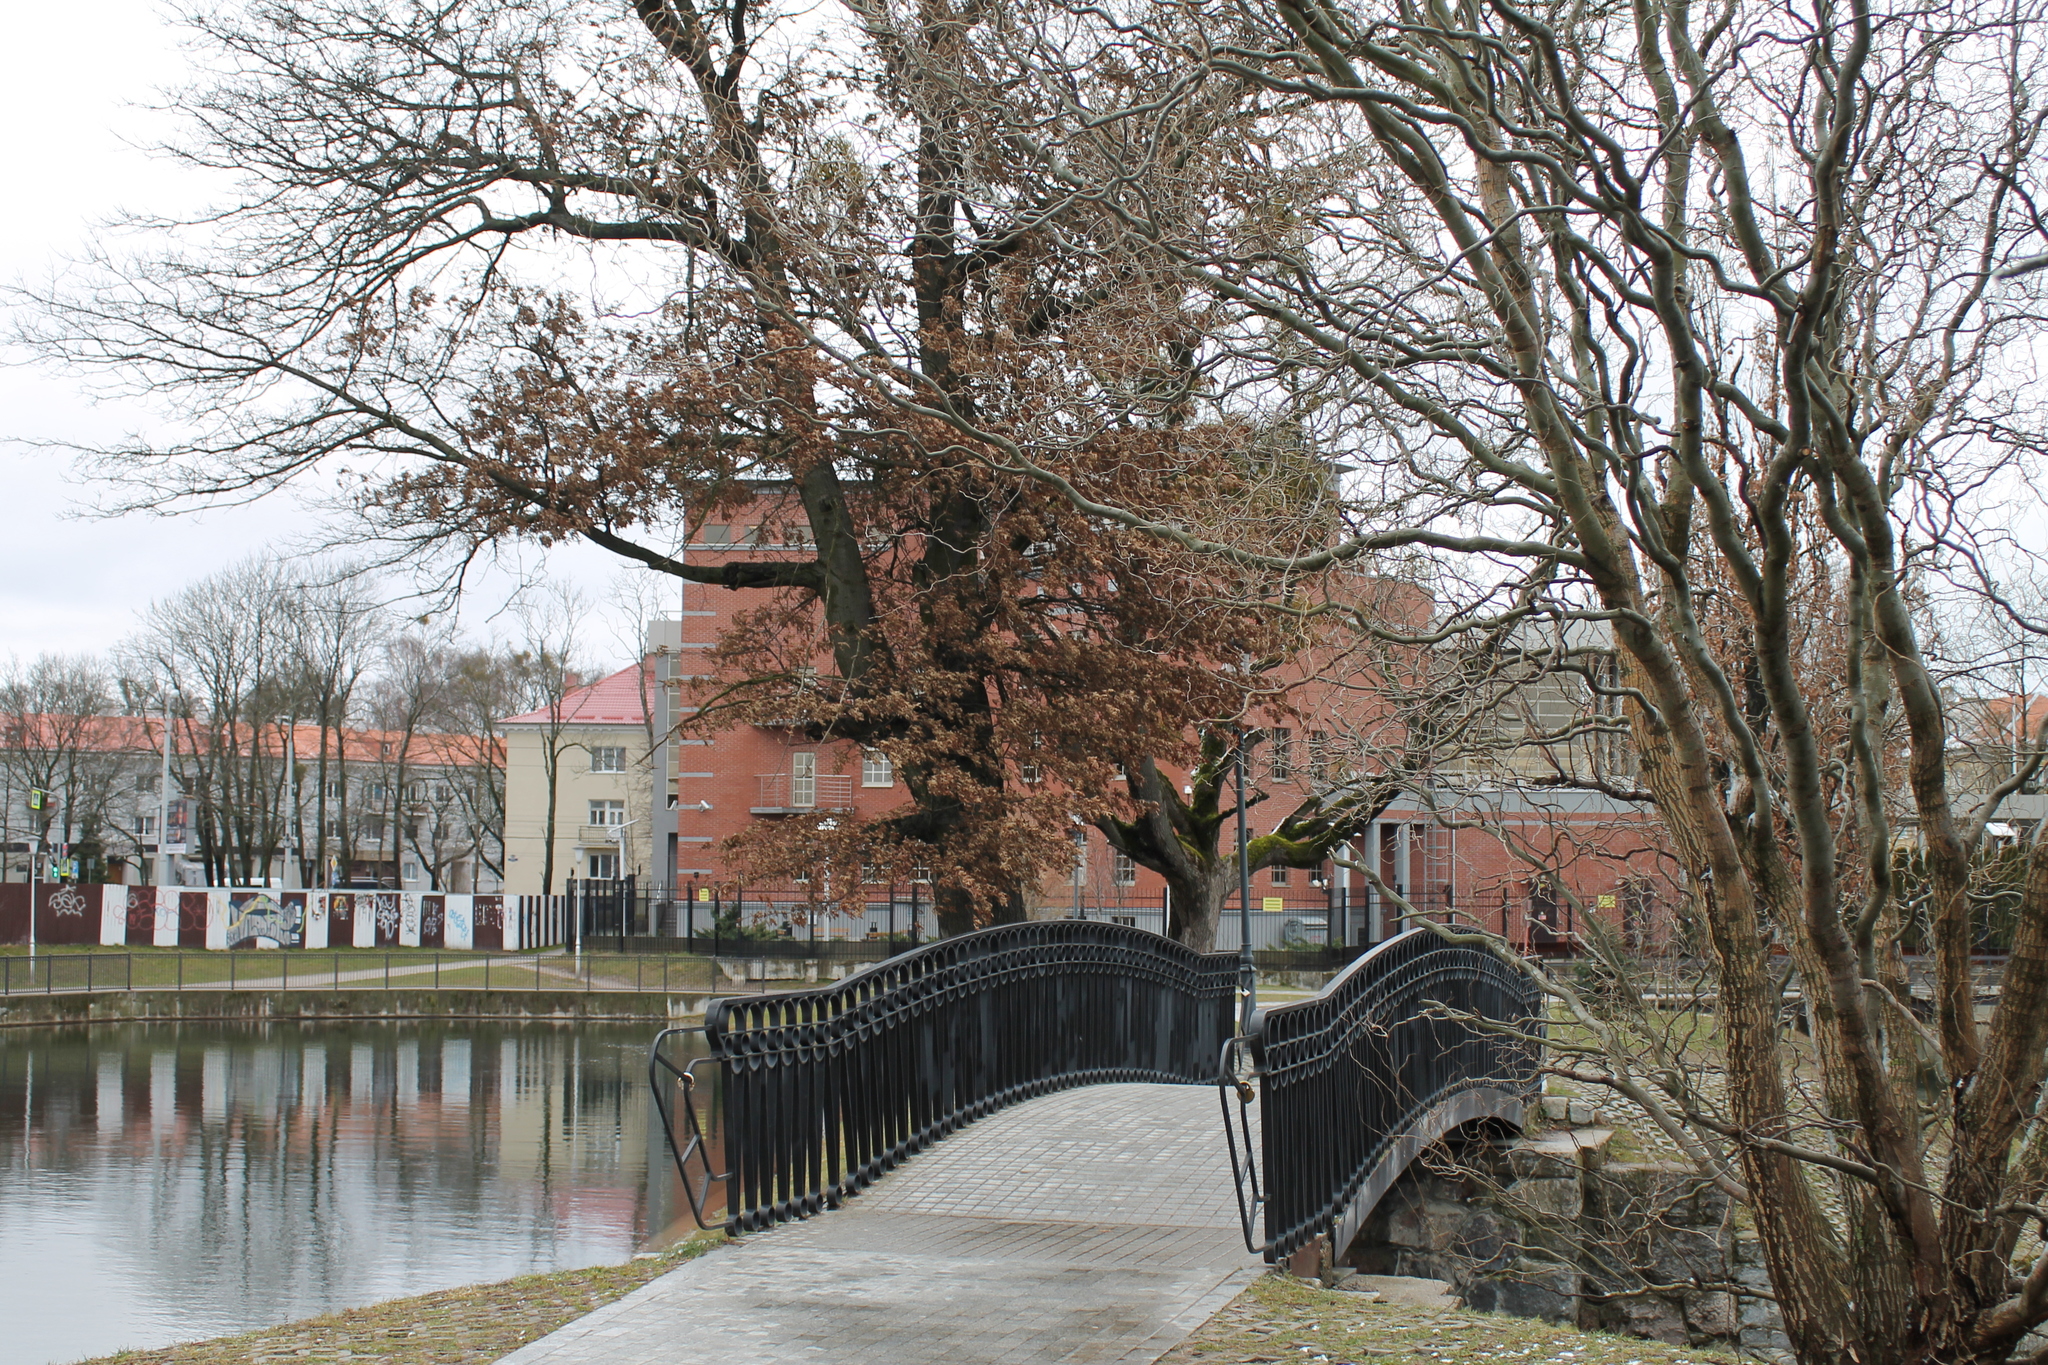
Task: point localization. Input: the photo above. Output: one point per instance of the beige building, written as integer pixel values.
(599, 739)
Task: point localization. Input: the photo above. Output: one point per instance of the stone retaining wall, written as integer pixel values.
(1553, 1227)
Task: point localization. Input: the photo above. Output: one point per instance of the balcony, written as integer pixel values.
(781, 794)
(596, 836)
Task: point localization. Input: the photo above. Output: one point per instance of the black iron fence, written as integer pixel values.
(1354, 1082)
(824, 1090)
(737, 920)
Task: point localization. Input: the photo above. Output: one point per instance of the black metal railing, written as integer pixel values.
(1354, 1082)
(690, 1140)
(825, 1090)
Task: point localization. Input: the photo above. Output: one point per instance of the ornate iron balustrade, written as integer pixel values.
(825, 1090)
(1357, 1080)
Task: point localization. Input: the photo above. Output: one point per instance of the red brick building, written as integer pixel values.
(1515, 853)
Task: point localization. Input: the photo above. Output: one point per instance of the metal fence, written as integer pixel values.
(728, 919)
(303, 970)
(1354, 1082)
(825, 1090)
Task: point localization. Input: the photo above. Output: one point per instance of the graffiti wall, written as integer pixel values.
(185, 917)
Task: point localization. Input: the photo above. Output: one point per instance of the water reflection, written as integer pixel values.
(166, 1183)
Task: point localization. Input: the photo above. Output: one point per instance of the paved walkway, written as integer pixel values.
(1094, 1225)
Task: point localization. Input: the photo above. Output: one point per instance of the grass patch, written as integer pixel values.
(1285, 1319)
(468, 1326)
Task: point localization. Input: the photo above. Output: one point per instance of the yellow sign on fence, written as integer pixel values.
(1274, 903)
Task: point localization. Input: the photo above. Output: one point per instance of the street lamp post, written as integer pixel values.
(1080, 862)
(1247, 973)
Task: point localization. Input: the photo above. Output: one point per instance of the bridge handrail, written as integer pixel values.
(1357, 1079)
(825, 1089)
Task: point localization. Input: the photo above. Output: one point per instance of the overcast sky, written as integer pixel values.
(75, 104)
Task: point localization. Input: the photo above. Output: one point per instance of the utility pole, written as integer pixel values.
(38, 806)
(288, 873)
(163, 806)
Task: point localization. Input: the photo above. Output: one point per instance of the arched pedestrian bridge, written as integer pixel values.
(1045, 1142)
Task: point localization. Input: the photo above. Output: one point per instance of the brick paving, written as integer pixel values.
(1095, 1225)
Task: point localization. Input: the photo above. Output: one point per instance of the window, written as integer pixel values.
(921, 873)
(604, 867)
(1281, 875)
(148, 826)
(373, 827)
(1319, 755)
(411, 872)
(1029, 771)
(608, 759)
(870, 875)
(333, 789)
(714, 535)
(146, 782)
(1125, 871)
(607, 812)
(332, 827)
(803, 780)
(378, 791)
(1282, 741)
(876, 770)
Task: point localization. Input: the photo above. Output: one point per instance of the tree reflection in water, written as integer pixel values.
(164, 1183)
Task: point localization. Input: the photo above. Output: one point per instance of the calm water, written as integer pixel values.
(161, 1184)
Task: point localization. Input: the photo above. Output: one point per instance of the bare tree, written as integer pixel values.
(546, 673)
(1687, 325)
(55, 737)
(483, 688)
(337, 628)
(221, 650)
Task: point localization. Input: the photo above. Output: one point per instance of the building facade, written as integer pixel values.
(639, 790)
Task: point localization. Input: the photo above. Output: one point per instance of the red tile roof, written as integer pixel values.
(144, 734)
(620, 699)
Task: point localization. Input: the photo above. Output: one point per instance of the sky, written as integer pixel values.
(76, 104)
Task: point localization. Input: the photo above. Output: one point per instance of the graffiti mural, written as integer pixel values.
(141, 916)
(387, 918)
(489, 925)
(257, 915)
(65, 912)
(433, 922)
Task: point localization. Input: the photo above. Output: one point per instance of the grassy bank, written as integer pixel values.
(468, 1326)
(1277, 1319)
(1293, 1320)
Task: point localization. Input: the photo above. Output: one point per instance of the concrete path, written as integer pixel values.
(1093, 1225)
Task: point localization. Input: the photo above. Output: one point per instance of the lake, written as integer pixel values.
(166, 1183)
